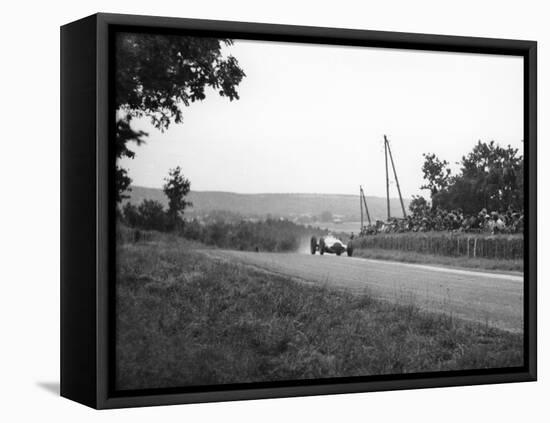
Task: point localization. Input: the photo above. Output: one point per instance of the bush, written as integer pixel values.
(130, 215)
(152, 215)
(220, 231)
(266, 235)
(149, 215)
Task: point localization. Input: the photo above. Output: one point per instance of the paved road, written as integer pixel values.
(488, 298)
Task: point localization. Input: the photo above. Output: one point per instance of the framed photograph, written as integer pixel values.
(255, 211)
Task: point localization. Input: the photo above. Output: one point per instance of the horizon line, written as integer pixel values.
(274, 193)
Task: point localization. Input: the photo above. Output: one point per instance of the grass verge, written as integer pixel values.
(184, 319)
(513, 265)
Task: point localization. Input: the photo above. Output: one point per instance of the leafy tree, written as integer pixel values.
(124, 135)
(131, 215)
(519, 175)
(419, 206)
(176, 189)
(436, 173)
(158, 74)
(489, 174)
(149, 215)
(490, 177)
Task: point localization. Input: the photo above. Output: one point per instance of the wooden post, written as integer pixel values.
(365, 203)
(387, 177)
(361, 207)
(395, 175)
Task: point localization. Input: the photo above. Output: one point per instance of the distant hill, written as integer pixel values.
(284, 205)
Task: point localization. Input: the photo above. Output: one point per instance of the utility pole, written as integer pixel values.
(395, 175)
(361, 207)
(387, 177)
(364, 198)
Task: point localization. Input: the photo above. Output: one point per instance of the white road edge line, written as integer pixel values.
(501, 276)
(446, 269)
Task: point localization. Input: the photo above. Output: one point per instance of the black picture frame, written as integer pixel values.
(87, 212)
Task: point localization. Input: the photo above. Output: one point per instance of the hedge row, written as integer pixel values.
(267, 235)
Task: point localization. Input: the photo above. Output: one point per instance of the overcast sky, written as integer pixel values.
(311, 119)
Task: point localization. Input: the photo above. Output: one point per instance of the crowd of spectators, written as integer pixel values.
(455, 220)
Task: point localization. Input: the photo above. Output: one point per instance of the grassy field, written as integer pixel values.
(185, 319)
(481, 263)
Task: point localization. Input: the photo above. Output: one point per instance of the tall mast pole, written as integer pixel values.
(366, 208)
(387, 177)
(361, 206)
(396, 180)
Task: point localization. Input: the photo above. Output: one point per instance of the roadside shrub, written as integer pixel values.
(251, 235)
(265, 235)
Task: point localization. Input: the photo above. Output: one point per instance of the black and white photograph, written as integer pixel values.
(293, 211)
(277, 211)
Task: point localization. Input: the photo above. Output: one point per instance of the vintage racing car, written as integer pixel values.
(330, 244)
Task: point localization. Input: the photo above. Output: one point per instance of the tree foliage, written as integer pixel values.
(149, 215)
(264, 235)
(124, 135)
(436, 173)
(419, 206)
(158, 75)
(176, 188)
(490, 177)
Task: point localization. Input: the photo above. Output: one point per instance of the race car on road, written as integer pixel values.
(330, 244)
